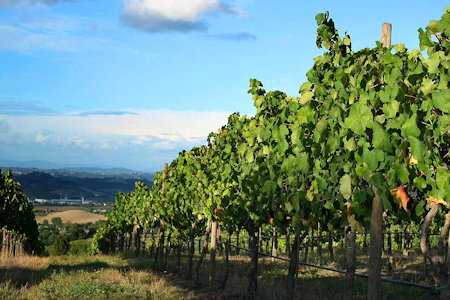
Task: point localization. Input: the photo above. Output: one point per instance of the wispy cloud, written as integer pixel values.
(236, 36)
(5, 127)
(23, 38)
(104, 113)
(16, 107)
(173, 15)
(48, 2)
(25, 31)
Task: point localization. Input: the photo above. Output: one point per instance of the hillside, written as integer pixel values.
(42, 184)
(73, 216)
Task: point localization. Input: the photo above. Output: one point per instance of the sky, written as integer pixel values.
(130, 83)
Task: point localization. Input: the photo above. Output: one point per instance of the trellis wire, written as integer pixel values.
(394, 281)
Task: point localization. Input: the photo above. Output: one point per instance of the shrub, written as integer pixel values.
(62, 245)
(79, 247)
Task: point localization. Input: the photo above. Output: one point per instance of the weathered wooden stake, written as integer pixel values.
(376, 219)
(274, 243)
(212, 257)
(350, 262)
(330, 246)
(376, 240)
(386, 35)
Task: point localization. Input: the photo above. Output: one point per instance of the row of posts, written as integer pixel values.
(12, 244)
(271, 244)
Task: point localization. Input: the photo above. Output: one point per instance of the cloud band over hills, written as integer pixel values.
(130, 138)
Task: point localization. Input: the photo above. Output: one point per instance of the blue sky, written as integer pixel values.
(130, 83)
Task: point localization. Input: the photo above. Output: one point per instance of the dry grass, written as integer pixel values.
(114, 277)
(68, 277)
(74, 216)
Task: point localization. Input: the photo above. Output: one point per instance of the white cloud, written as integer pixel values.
(140, 127)
(173, 15)
(175, 10)
(41, 138)
(164, 145)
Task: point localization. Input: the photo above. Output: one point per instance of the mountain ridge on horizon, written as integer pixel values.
(46, 166)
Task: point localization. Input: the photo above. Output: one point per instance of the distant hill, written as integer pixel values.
(102, 188)
(38, 164)
(73, 216)
(46, 165)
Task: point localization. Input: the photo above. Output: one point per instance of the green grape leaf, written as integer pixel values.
(381, 139)
(360, 117)
(409, 128)
(441, 100)
(417, 148)
(346, 186)
(402, 173)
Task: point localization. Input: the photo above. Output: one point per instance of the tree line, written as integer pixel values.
(17, 221)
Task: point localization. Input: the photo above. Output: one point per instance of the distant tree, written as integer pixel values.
(16, 212)
(62, 244)
(57, 221)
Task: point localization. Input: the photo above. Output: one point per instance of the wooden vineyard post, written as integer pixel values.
(386, 35)
(305, 257)
(2, 241)
(376, 240)
(227, 260)
(168, 245)
(121, 243)
(330, 246)
(260, 247)
(391, 262)
(16, 245)
(144, 241)
(253, 243)
(441, 261)
(204, 251)
(237, 241)
(274, 243)
(319, 241)
(365, 242)
(293, 264)
(159, 245)
(350, 262)
(191, 251)
(179, 267)
(288, 243)
(159, 255)
(219, 240)
(8, 244)
(376, 218)
(212, 257)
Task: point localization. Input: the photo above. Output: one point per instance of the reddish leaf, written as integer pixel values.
(219, 214)
(401, 196)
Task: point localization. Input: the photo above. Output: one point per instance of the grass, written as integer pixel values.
(71, 277)
(125, 277)
(74, 216)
